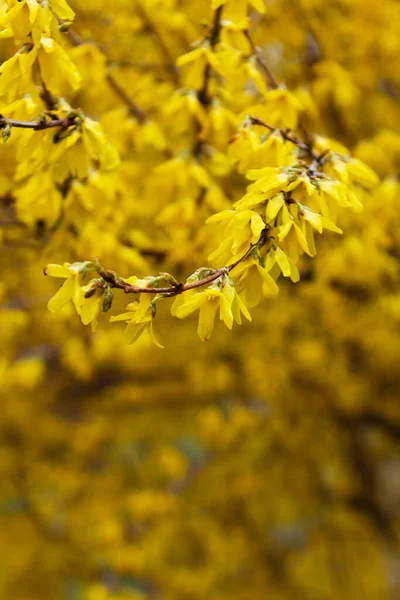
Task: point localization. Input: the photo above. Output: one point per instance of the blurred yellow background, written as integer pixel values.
(265, 463)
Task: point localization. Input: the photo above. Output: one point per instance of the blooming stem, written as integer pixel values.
(38, 125)
(174, 290)
(318, 159)
(272, 82)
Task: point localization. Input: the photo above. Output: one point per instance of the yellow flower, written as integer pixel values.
(255, 280)
(293, 240)
(87, 308)
(97, 145)
(139, 319)
(242, 228)
(70, 290)
(16, 75)
(56, 67)
(208, 302)
(288, 268)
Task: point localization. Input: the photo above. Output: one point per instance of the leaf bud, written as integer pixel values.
(107, 300)
(64, 27)
(91, 292)
(5, 134)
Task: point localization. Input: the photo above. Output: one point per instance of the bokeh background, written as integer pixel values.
(264, 463)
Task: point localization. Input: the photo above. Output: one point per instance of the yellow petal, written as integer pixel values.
(62, 296)
(144, 303)
(242, 307)
(61, 8)
(302, 240)
(153, 337)
(122, 317)
(133, 332)
(269, 284)
(90, 309)
(208, 310)
(284, 230)
(273, 207)
(257, 227)
(225, 311)
(57, 271)
(361, 173)
(190, 57)
(283, 262)
(193, 303)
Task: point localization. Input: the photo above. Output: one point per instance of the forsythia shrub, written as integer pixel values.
(171, 158)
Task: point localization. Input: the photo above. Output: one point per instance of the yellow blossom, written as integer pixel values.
(208, 302)
(139, 318)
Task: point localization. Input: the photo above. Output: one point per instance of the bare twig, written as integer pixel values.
(203, 93)
(163, 46)
(174, 290)
(272, 82)
(135, 110)
(38, 125)
(133, 107)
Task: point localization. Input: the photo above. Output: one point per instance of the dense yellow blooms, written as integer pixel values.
(301, 189)
(172, 163)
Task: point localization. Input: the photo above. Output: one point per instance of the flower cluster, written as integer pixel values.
(299, 186)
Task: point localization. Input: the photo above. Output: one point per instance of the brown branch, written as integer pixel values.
(318, 159)
(135, 110)
(38, 125)
(272, 82)
(11, 223)
(163, 46)
(47, 97)
(203, 93)
(73, 37)
(133, 107)
(174, 290)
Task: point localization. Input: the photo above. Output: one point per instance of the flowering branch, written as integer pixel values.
(38, 125)
(318, 159)
(176, 287)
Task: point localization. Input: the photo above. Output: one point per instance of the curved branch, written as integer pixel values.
(319, 159)
(272, 82)
(135, 110)
(174, 290)
(37, 125)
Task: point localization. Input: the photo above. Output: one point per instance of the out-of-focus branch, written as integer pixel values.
(203, 93)
(135, 110)
(272, 82)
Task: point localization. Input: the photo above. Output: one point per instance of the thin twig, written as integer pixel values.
(116, 282)
(37, 125)
(47, 97)
(272, 82)
(133, 107)
(11, 223)
(135, 110)
(163, 46)
(214, 35)
(318, 159)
